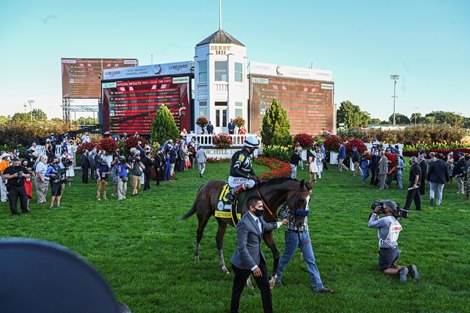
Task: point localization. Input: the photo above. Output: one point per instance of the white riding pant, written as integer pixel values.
(237, 181)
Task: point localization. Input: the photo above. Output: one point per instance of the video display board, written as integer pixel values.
(126, 98)
(308, 103)
(81, 78)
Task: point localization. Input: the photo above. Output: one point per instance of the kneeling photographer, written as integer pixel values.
(388, 231)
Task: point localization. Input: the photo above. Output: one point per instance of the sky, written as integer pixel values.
(363, 42)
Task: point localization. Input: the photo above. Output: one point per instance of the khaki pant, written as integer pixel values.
(357, 169)
(382, 179)
(122, 189)
(101, 187)
(41, 190)
(135, 183)
(341, 165)
(460, 185)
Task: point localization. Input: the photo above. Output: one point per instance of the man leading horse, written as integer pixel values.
(242, 176)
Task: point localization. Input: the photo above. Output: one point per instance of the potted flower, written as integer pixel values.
(222, 141)
(202, 122)
(332, 144)
(109, 146)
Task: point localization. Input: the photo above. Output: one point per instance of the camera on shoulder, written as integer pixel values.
(397, 212)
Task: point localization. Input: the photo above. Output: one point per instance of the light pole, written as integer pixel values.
(30, 102)
(394, 78)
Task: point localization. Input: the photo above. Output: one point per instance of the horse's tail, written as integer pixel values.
(193, 209)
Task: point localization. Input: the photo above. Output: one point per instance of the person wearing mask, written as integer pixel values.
(382, 170)
(295, 159)
(42, 183)
(400, 166)
(413, 189)
(249, 258)
(459, 172)
(123, 170)
(341, 158)
(438, 176)
(15, 176)
(159, 164)
(231, 127)
(297, 236)
(102, 172)
(364, 164)
(148, 164)
(28, 183)
(54, 174)
(201, 159)
(136, 172)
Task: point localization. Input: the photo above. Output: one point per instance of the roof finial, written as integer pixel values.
(220, 14)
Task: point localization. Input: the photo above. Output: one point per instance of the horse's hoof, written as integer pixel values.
(196, 259)
(224, 269)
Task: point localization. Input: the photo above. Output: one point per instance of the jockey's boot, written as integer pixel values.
(232, 194)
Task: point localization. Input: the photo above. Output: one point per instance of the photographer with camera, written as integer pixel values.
(136, 173)
(15, 176)
(54, 173)
(388, 231)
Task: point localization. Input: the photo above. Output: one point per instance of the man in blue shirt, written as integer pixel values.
(341, 157)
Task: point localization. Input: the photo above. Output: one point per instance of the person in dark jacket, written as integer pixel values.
(374, 178)
(159, 164)
(459, 172)
(424, 168)
(438, 176)
(148, 164)
(85, 164)
(413, 189)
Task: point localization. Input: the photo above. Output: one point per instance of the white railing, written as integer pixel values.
(220, 87)
(207, 140)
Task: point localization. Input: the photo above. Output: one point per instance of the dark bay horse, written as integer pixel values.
(274, 193)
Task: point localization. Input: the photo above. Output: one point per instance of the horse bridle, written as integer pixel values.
(266, 205)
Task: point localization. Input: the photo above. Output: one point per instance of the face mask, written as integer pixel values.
(302, 212)
(259, 213)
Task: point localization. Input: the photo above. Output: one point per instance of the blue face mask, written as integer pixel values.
(302, 212)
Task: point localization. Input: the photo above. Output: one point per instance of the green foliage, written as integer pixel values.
(21, 117)
(351, 115)
(424, 134)
(400, 119)
(39, 115)
(277, 152)
(375, 121)
(276, 126)
(417, 118)
(164, 126)
(147, 255)
(442, 117)
(87, 121)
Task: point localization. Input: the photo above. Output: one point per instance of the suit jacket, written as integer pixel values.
(249, 239)
(438, 172)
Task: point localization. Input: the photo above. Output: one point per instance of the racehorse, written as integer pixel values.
(273, 192)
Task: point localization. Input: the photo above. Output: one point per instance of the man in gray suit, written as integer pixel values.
(249, 257)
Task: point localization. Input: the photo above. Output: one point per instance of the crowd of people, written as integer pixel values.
(52, 169)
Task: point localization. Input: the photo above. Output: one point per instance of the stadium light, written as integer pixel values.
(394, 78)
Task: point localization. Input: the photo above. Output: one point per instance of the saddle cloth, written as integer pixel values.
(224, 207)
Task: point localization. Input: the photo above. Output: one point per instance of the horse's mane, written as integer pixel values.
(276, 181)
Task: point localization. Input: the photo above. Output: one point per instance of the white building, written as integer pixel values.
(220, 78)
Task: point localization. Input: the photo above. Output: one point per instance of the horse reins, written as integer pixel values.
(266, 205)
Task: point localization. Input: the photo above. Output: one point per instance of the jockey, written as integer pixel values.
(242, 176)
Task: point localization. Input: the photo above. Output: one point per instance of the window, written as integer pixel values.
(203, 108)
(239, 109)
(202, 71)
(238, 72)
(220, 71)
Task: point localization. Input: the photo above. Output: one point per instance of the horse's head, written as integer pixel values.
(297, 201)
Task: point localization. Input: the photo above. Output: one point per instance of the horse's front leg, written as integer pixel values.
(269, 240)
(220, 242)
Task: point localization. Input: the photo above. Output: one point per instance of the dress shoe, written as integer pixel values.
(325, 290)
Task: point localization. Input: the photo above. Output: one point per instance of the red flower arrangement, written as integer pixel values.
(278, 168)
(361, 147)
(86, 146)
(305, 140)
(108, 145)
(131, 142)
(392, 158)
(239, 121)
(223, 141)
(202, 121)
(333, 142)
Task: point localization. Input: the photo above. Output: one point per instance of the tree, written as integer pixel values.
(4, 119)
(38, 115)
(451, 118)
(276, 127)
(163, 126)
(375, 121)
(417, 118)
(87, 121)
(400, 119)
(21, 117)
(351, 115)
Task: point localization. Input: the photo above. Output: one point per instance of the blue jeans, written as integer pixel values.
(301, 240)
(399, 179)
(365, 174)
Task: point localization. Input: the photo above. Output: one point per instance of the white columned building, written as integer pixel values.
(220, 78)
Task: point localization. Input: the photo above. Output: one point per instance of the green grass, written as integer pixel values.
(147, 255)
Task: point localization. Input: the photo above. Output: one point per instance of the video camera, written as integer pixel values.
(397, 212)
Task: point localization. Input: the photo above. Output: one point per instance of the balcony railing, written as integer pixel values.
(207, 140)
